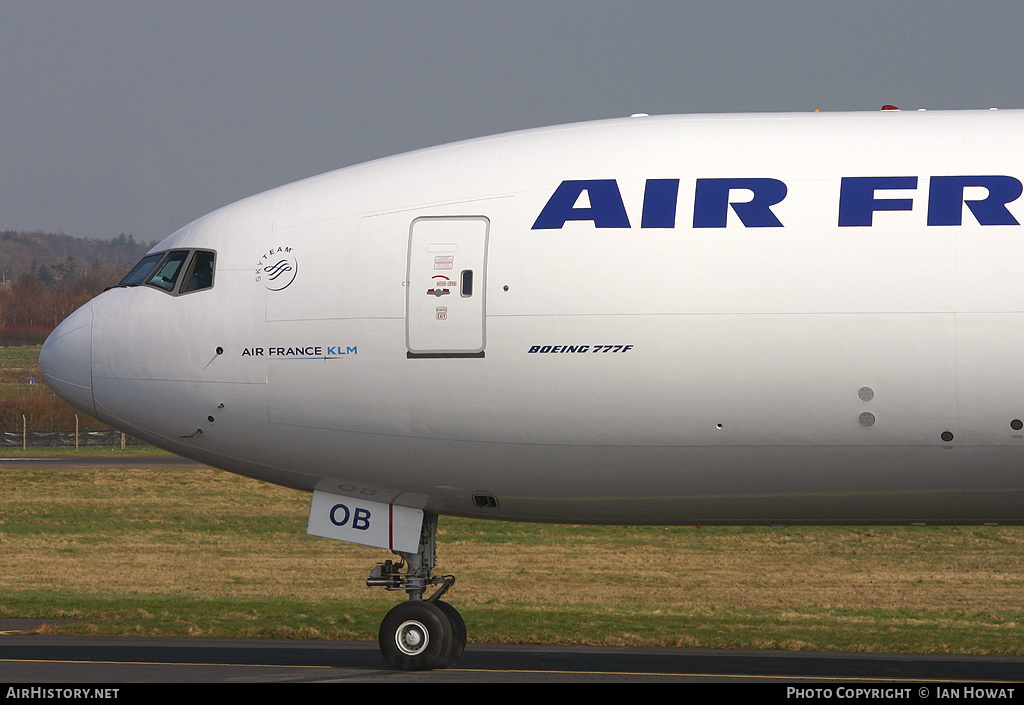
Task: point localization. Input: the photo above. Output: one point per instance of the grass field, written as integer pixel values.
(34, 405)
(17, 366)
(202, 552)
(19, 363)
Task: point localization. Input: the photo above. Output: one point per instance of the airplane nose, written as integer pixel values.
(66, 360)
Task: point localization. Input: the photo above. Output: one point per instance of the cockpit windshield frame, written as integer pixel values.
(164, 271)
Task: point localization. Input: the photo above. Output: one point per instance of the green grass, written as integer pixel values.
(162, 615)
(84, 451)
(17, 365)
(171, 551)
(20, 357)
(498, 621)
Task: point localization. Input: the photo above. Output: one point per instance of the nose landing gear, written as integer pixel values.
(419, 634)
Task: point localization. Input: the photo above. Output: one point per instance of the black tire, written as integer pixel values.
(416, 636)
(459, 635)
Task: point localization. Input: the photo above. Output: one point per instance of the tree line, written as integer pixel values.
(43, 278)
(46, 276)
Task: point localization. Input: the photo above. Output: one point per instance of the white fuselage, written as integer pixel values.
(633, 348)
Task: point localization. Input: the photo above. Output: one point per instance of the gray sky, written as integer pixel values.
(139, 117)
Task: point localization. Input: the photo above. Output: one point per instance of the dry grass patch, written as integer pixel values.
(173, 551)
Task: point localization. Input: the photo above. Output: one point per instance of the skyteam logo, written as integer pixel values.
(277, 268)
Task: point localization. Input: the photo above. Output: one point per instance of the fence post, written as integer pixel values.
(122, 441)
(76, 433)
(24, 432)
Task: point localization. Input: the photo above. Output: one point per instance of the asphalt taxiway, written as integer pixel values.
(38, 659)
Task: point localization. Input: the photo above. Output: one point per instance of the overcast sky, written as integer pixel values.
(139, 117)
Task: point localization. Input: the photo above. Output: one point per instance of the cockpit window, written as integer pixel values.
(165, 271)
(200, 272)
(166, 274)
(142, 270)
